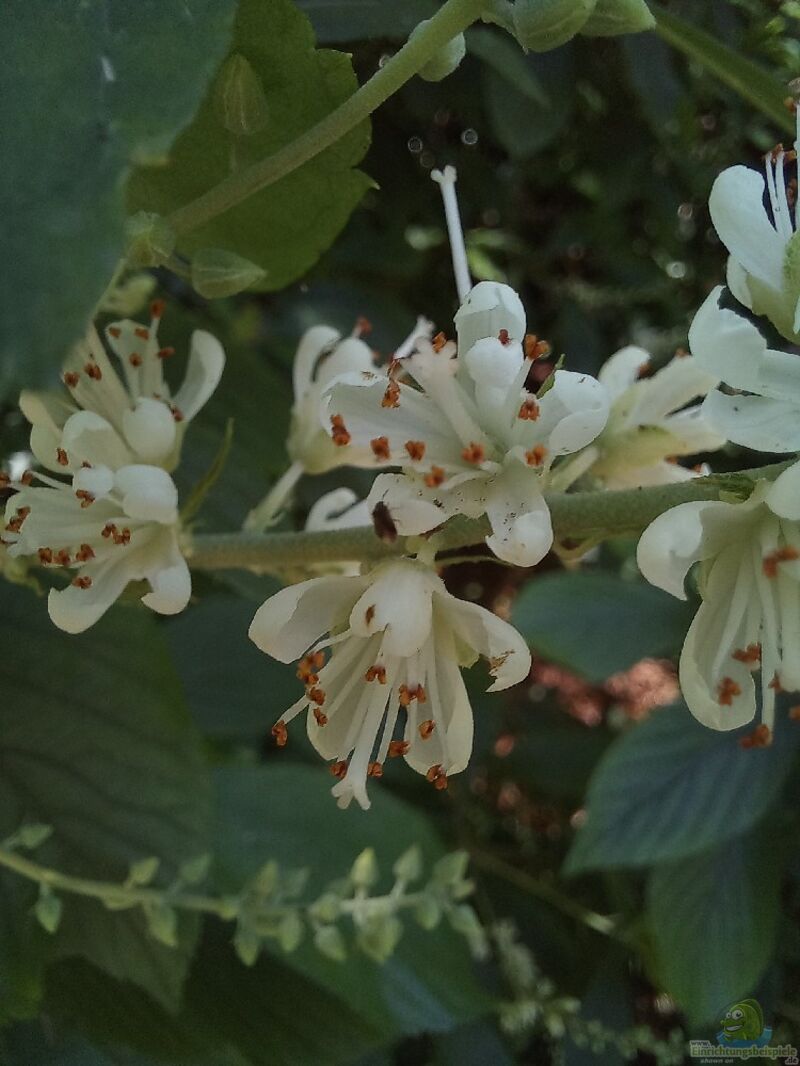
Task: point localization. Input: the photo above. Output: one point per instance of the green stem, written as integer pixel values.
(575, 516)
(450, 20)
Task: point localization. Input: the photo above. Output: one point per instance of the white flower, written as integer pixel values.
(144, 422)
(732, 349)
(322, 357)
(472, 439)
(398, 639)
(764, 264)
(106, 528)
(339, 509)
(649, 422)
(749, 619)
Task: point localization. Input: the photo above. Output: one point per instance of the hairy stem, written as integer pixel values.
(451, 19)
(576, 516)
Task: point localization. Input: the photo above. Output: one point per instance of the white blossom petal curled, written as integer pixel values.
(397, 640)
(106, 528)
(522, 533)
(749, 620)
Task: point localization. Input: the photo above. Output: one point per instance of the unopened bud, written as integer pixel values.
(409, 866)
(364, 872)
(445, 60)
(143, 871)
(247, 944)
(162, 922)
(379, 936)
(216, 273)
(48, 910)
(239, 97)
(613, 17)
(329, 941)
(290, 931)
(33, 834)
(150, 240)
(540, 25)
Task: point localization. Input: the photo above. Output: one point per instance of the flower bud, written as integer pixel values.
(290, 932)
(489, 308)
(444, 61)
(613, 17)
(330, 943)
(48, 910)
(150, 239)
(409, 866)
(217, 273)
(379, 936)
(540, 25)
(247, 944)
(364, 872)
(162, 922)
(33, 834)
(239, 97)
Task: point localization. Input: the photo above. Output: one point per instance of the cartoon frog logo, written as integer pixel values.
(742, 1024)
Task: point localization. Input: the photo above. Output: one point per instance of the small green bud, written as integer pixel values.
(428, 913)
(48, 909)
(446, 60)
(216, 273)
(465, 921)
(293, 882)
(613, 17)
(33, 835)
(329, 942)
(379, 936)
(195, 870)
(364, 872)
(143, 871)
(229, 907)
(451, 868)
(409, 866)
(150, 240)
(162, 921)
(327, 908)
(540, 25)
(266, 880)
(290, 932)
(247, 944)
(239, 97)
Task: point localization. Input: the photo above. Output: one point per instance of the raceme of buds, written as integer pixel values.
(135, 417)
(398, 639)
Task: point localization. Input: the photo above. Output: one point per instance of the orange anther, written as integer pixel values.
(316, 695)
(503, 337)
(45, 556)
(321, 719)
(93, 371)
(86, 498)
(415, 449)
(391, 397)
(61, 557)
(71, 379)
(165, 353)
(114, 331)
(751, 654)
(529, 410)
(376, 673)
(339, 769)
(375, 769)
(726, 691)
(536, 456)
(82, 582)
(281, 734)
(426, 728)
(473, 453)
(397, 748)
(435, 478)
(157, 308)
(177, 414)
(380, 447)
(438, 342)
(534, 348)
(780, 555)
(84, 553)
(339, 431)
(61, 457)
(135, 359)
(761, 737)
(142, 333)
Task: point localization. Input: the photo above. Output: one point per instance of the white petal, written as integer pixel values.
(398, 603)
(492, 364)
(736, 278)
(572, 413)
(674, 542)
(75, 609)
(312, 344)
(488, 308)
(289, 622)
(672, 387)
(621, 370)
(740, 218)
(88, 438)
(522, 533)
(409, 502)
(150, 430)
(692, 432)
(339, 509)
(757, 422)
(148, 493)
(491, 637)
(203, 373)
(783, 495)
(169, 577)
(350, 356)
(98, 480)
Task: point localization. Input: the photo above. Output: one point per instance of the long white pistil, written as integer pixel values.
(446, 180)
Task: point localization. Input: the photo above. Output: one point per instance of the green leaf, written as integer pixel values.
(98, 745)
(750, 81)
(670, 788)
(284, 228)
(86, 91)
(712, 919)
(287, 812)
(335, 21)
(503, 55)
(568, 617)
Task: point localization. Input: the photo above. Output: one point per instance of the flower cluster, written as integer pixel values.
(114, 520)
(749, 552)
